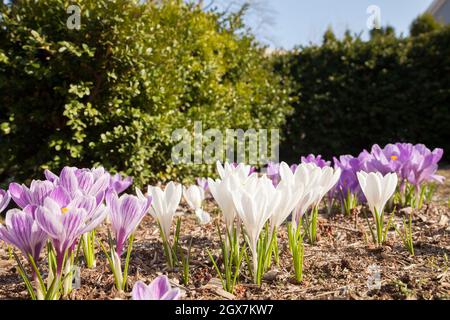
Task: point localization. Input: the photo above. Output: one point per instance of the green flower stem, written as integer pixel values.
(127, 262)
(229, 248)
(297, 250)
(120, 279)
(170, 251)
(88, 244)
(350, 202)
(406, 235)
(310, 223)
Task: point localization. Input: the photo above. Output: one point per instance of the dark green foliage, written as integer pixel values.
(387, 31)
(112, 92)
(423, 24)
(351, 94)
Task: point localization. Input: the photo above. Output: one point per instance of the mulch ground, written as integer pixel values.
(342, 265)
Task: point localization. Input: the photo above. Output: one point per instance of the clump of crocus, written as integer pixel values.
(347, 188)
(5, 197)
(158, 289)
(163, 209)
(318, 182)
(73, 182)
(23, 232)
(421, 169)
(415, 165)
(64, 225)
(231, 178)
(321, 163)
(255, 203)
(194, 196)
(95, 213)
(378, 189)
(79, 192)
(126, 212)
(299, 186)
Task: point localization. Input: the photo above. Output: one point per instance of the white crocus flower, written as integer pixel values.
(289, 198)
(310, 177)
(194, 196)
(286, 174)
(306, 174)
(328, 178)
(305, 179)
(241, 171)
(377, 188)
(255, 207)
(307, 199)
(165, 204)
(221, 192)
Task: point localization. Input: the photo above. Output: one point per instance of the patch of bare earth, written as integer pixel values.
(339, 266)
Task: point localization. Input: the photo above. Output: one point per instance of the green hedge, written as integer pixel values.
(112, 92)
(351, 94)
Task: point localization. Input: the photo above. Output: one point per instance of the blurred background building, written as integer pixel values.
(440, 9)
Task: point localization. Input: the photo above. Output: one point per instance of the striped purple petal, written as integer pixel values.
(5, 197)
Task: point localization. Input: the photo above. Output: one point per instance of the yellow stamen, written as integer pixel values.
(64, 210)
(394, 157)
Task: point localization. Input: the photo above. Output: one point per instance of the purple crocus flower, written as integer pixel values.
(348, 181)
(5, 197)
(273, 172)
(33, 196)
(94, 209)
(158, 289)
(413, 163)
(126, 213)
(23, 232)
(73, 183)
(422, 166)
(293, 167)
(389, 159)
(203, 183)
(76, 181)
(364, 159)
(317, 160)
(64, 225)
(119, 184)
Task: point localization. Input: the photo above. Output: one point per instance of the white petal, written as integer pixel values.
(203, 217)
